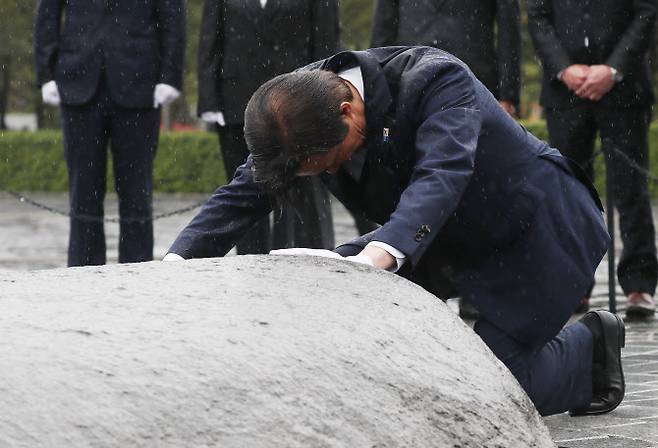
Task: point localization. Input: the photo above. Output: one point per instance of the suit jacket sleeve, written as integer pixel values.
(508, 23)
(385, 24)
(171, 24)
(635, 41)
(211, 48)
(552, 54)
(46, 38)
(326, 28)
(224, 218)
(446, 142)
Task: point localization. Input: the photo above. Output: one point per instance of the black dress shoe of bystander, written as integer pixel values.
(608, 387)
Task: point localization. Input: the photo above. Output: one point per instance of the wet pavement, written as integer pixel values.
(31, 238)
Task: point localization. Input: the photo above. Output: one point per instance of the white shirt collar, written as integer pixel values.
(354, 166)
(355, 77)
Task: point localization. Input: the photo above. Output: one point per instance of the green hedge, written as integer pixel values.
(186, 161)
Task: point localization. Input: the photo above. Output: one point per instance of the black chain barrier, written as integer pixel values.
(633, 164)
(24, 199)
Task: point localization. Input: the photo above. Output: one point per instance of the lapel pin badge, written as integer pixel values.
(385, 135)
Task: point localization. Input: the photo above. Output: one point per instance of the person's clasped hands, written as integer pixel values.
(359, 258)
(590, 82)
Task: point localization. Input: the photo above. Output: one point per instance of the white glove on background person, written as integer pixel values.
(173, 257)
(213, 117)
(50, 94)
(361, 259)
(164, 94)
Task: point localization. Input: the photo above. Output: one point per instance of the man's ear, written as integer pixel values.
(346, 108)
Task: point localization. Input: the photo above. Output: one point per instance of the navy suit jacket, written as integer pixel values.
(242, 45)
(458, 187)
(137, 43)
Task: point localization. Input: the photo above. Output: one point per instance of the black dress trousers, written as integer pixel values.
(624, 141)
(132, 134)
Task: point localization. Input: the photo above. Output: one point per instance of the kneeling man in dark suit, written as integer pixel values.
(470, 203)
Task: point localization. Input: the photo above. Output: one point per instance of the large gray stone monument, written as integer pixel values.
(253, 351)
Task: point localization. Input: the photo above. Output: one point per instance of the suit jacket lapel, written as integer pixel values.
(378, 180)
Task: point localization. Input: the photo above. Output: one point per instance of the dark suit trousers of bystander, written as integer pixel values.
(133, 137)
(573, 131)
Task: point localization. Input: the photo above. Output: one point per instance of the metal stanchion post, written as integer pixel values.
(610, 214)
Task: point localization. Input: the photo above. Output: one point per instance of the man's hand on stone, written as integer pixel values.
(360, 258)
(379, 258)
(574, 76)
(599, 81)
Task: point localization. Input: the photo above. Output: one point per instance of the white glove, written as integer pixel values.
(213, 117)
(172, 257)
(164, 94)
(361, 259)
(50, 94)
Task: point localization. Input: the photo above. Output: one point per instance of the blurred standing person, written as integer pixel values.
(243, 43)
(486, 34)
(111, 65)
(597, 79)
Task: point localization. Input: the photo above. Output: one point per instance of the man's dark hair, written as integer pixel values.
(290, 117)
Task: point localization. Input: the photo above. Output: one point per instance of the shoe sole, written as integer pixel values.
(622, 343)
(639, 312)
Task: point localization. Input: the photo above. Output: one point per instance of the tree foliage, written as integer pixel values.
(16, 52)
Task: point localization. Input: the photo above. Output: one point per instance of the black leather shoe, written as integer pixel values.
(640, 306)
(608, 385)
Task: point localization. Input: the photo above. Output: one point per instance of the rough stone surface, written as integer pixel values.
(247, 352)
